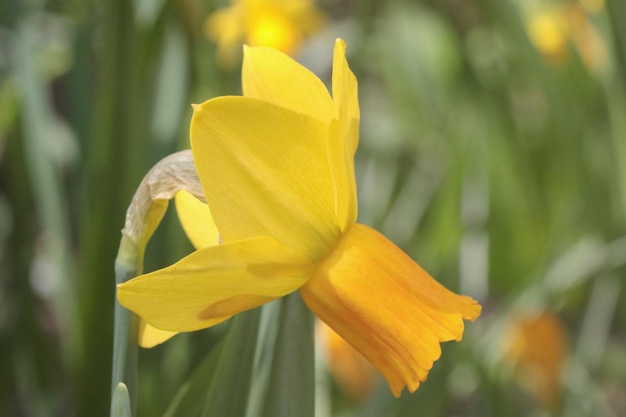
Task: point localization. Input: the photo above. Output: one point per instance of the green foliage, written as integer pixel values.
(500, 169)
(120, 404)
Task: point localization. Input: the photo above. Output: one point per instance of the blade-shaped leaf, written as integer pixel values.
(190, 396)
(120, 405)
(291, 386)
(230, 385)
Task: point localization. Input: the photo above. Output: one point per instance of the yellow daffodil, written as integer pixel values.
(548, 31)
(277, 170)
(279, 24)
(554, 29)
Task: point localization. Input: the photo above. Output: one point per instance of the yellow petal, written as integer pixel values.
(270, 75)
(195, 217)
(265, 171)
(345, 96)
(344, 137)
(150, 336)
(386, 306)
(214, 283)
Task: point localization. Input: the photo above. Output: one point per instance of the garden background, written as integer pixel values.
(493, 151)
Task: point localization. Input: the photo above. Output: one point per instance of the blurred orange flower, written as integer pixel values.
(352, 372)
(536, 345)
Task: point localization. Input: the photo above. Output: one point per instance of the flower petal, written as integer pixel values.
(345, 97)
(270, 75)
(344, 137)
(386, 306)
(151, 336)
(196, 219)
(214, 283)
(265, 171)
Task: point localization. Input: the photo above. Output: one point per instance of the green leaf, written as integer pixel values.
(120, 405)
(230, 385)
(291, 386)
(124, 362)
(190, 396)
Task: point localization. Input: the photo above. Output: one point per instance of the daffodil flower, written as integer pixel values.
(277, 171)
(279, 24)
(552, 29)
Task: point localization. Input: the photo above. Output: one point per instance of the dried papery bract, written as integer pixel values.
(172, 174)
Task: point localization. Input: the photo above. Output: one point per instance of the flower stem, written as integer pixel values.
(124, 367)
(173, 173)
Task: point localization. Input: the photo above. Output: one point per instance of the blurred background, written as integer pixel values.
(493, 150)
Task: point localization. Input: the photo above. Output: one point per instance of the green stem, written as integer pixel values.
(124, 366)
(172, 174)
(114, 152)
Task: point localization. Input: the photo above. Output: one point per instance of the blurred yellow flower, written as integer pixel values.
(277, 169)
(548, 31)
(279, 24)
(536, 344)
(553, 29)
(592, 6)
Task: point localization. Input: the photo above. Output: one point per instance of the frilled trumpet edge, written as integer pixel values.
(385, 305)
